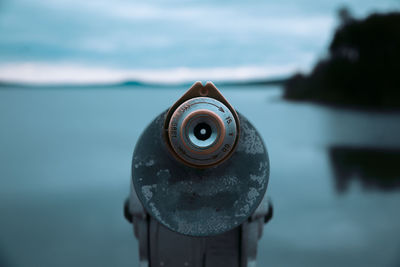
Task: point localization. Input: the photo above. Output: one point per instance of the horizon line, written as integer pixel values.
(137, 83)
(35, 74)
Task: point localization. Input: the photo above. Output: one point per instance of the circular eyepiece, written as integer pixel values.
(202, 131)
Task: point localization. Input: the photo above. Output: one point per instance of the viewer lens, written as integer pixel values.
(202, 131)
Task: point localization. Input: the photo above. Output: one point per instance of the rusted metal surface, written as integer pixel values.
(211, 108)
(200, 202)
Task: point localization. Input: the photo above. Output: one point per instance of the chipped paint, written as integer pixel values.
(140, 163)
(200, 202)
(251, 141)
(164, 174)
(252, 196)
(213, 222)
(149, 163)
(260, 179)
(243, 211)
(146, 191)
(157, 214)
(229, 180)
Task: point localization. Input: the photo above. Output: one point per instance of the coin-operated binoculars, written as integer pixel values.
(199, 175)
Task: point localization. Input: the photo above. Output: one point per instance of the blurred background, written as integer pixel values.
(317, 78)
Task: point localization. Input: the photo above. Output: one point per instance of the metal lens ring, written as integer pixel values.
(202, 131)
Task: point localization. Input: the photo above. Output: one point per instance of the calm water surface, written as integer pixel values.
(65, 166)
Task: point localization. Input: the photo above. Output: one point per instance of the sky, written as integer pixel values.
(60, 41)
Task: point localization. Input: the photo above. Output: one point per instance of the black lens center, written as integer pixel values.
(202, 131)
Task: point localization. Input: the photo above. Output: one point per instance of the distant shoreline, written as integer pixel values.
(138, 84)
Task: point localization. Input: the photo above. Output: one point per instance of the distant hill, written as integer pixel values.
(131, 84)
(362, 69)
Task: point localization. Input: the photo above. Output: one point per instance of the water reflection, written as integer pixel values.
(3, 261)
(374, 168)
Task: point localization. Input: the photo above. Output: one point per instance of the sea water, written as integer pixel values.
(65, 169)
